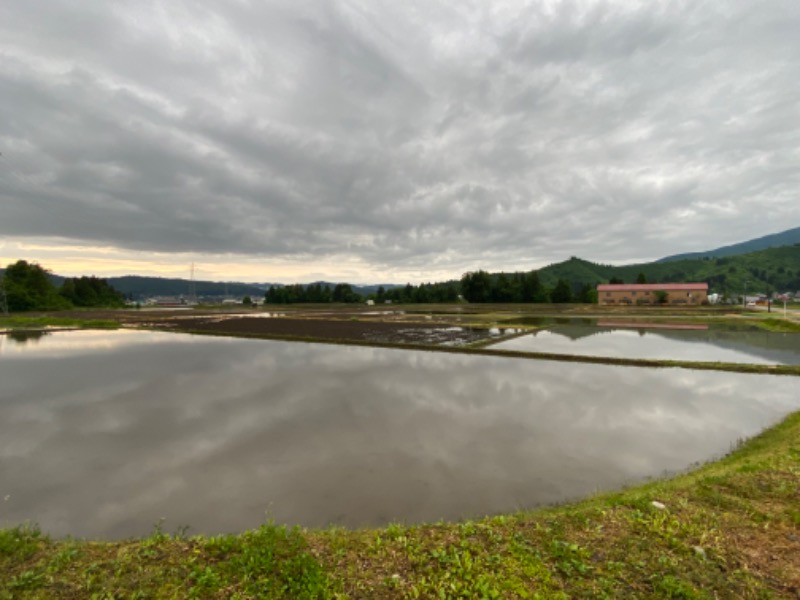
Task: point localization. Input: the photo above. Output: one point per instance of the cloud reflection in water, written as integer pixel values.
(221, 433)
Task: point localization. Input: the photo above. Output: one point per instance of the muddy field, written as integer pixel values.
(367, 330)
(345, 323)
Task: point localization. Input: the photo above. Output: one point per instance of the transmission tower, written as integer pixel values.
(192, 288)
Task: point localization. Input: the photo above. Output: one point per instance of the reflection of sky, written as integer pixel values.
(71, 343)
(655, 345)
(223, 433)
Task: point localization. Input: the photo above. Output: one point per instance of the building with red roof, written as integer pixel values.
(652, 293)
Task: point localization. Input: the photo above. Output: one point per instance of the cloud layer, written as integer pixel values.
(405, 137)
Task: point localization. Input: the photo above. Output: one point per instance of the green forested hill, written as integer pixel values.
(774, 269)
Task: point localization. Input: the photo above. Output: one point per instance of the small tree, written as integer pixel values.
(661, 296)
(502, 290)
(562, 293)
(90, 292)
(531, 289)
(343, 292)
(640, 278)
(28, 287)
(476, 287)
(587, 294)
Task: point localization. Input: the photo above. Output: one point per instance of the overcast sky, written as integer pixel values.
(386, 141)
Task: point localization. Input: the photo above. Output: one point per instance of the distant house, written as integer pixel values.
(166, 301)
(652, 293)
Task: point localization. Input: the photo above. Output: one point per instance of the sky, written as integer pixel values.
(390, 142)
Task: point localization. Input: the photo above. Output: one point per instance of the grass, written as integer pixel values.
(43, 322)
(269, 562)
(730, 529)
(779, 325)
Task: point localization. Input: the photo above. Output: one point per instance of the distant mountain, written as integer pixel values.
(784, 238)
(140, 287)
(136, 287)
(774, 269)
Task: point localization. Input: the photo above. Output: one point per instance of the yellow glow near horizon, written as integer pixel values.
(73, 260)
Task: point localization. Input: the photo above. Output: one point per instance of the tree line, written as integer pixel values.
(480, 286)
(28, 286)
(476, 287)
(315, 293)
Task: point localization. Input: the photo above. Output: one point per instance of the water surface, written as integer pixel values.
(703, 345)
(104, 433)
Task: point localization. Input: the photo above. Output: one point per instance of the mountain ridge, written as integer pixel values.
(773, 240)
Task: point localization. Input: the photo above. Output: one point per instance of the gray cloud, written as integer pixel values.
(407, 134)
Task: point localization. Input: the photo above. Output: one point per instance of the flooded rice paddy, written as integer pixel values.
(105, 433)
(684, 342)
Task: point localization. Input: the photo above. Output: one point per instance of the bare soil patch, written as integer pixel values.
(325, 329)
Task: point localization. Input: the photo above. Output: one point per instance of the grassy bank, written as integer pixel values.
(779, 325)
(46, 322)
(730, 529)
